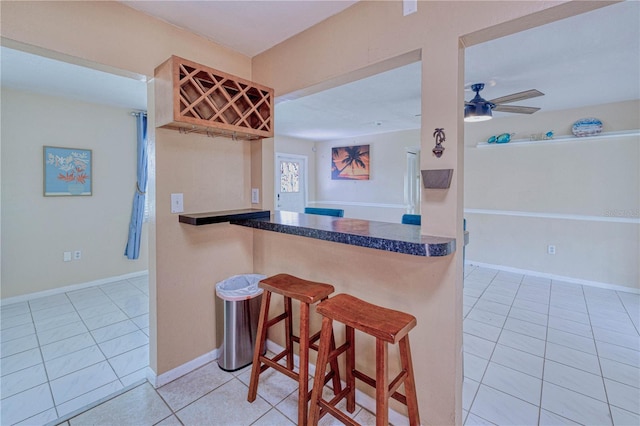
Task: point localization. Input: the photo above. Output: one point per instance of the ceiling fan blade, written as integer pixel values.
(516, 109)
(520, 96)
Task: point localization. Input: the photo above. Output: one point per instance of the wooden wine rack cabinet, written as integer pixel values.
(194, 98)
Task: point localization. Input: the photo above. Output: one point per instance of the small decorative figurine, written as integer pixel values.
(501, 138)
(504, 138)
(542, 136)
(440, 138)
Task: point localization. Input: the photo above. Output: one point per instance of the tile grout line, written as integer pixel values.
(479, 382)
(54, 307)
(98, 347)
(544, 357)
(96, 344)
(541, 380)
(491, 356)
(465, 416)
(89, 331)
(492, 352)
(635, 326)
(44, 366)
(604, 385)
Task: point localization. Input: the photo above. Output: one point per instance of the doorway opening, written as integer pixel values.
(412, 181)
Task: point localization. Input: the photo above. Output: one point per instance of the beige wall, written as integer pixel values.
(190, 260)
(369, 33)
(111, 34)
(382, 196)
(36, 230)
(262, 166)
(591, 183)
(184, 264)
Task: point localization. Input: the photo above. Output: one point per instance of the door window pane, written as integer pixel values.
(289, 176)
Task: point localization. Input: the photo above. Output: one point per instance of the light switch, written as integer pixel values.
(177, 204)
(255, 196)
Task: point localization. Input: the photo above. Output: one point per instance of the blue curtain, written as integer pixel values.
(132, 251)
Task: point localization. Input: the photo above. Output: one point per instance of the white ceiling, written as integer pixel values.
(35, 73)
(247, 26)
(589, 59)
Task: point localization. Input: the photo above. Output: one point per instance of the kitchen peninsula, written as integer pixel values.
(387, 264)
(392, 237)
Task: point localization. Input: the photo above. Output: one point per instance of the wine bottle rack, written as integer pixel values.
(195, 98)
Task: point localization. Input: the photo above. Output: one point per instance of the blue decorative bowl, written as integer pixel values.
(587, 127)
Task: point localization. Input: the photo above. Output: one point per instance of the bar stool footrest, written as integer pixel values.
(276, 320)
(281, 368)
(393, 387)
(275, 359)
(338, 351)
(330, 407)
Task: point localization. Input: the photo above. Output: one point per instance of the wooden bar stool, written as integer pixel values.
(387, 326)
(308, 293)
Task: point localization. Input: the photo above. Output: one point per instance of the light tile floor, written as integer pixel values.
(536, 352)
(62, 352)
(545, 352)
(208, 396)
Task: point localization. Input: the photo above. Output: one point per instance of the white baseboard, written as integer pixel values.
(573, 280)
(362, 398)
(187, 367)
(54, 291)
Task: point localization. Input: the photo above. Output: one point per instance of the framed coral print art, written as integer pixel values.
(67, 171)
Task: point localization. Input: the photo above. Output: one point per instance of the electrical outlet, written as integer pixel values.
(551, 249)
(66, 256)
(77, 255)
(177, 203)
(255, 196)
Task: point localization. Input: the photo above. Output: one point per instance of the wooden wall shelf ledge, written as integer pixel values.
(560, 139)
(198, 219)
(394, 237)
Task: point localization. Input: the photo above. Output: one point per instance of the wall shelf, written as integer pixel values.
(198, 219)
(194, 98)
(561, 139)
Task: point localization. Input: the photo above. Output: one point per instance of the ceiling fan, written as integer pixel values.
(478, 109)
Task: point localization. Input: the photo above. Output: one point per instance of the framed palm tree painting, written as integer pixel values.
(350, 162)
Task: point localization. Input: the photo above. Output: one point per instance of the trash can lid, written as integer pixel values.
(240, 287)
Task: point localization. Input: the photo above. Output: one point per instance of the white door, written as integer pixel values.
(412, 182)
(291, 182)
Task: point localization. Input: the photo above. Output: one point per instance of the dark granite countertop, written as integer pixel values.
(223, 216)
(393, 237)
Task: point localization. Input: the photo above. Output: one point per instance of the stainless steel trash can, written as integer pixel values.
(242, 298)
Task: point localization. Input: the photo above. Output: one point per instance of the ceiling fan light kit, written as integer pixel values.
(477, 112)
(479, 109)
